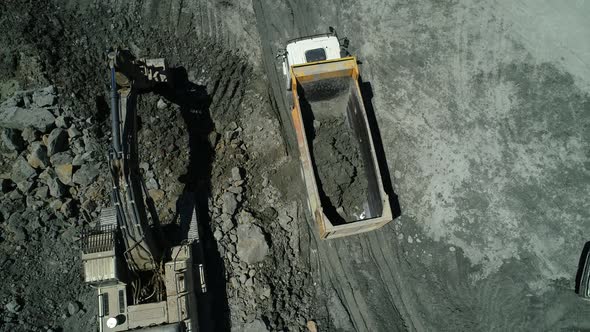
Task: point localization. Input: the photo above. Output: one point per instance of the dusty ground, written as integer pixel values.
(483, 110)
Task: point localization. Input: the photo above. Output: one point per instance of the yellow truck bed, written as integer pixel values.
(342, 176)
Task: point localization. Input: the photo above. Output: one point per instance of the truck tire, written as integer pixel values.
(288, 82)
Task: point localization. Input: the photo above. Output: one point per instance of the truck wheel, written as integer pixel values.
(287, 74)
(288, 82)
(289, 97)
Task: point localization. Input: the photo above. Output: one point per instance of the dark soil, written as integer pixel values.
(340, 167)
(335, 149)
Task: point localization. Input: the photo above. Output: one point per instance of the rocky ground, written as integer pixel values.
(483, 111)
(335, 149)
(340, 167)
(228, 149)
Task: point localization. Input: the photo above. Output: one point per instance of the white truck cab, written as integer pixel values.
(309, 49)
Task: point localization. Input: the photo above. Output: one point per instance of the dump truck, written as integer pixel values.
(339, 165)
(147, 278)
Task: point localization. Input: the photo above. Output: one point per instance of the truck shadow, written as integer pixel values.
(213, 309)
(367, 94)
(581, 266)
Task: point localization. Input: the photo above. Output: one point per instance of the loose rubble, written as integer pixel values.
(40, 202)
(54, 183)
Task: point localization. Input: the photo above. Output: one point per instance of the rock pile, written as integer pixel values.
(49, 168)
(241, 240)
(52, 163)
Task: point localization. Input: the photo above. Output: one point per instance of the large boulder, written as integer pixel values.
(252, 246)
(61, 158)
(62, 164)
(29, 134)
(91, 145)
(62, 121)
(19, 118)
(85, 175)
(236, 174)
(57, 141)
(12, 139)
(73, 308)
(22, 171)
(38, 156)
(230, 203)
(64, 173)
(56, 188)
(23, 175)
(73, 132)
(44, 97)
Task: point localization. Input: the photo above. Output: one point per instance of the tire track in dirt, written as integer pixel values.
(369, 304)
(390, 276)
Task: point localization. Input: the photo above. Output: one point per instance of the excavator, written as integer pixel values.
(146, 279)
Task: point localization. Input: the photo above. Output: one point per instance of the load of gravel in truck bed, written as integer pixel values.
(340, 171)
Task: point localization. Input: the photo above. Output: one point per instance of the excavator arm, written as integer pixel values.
(138, 221)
